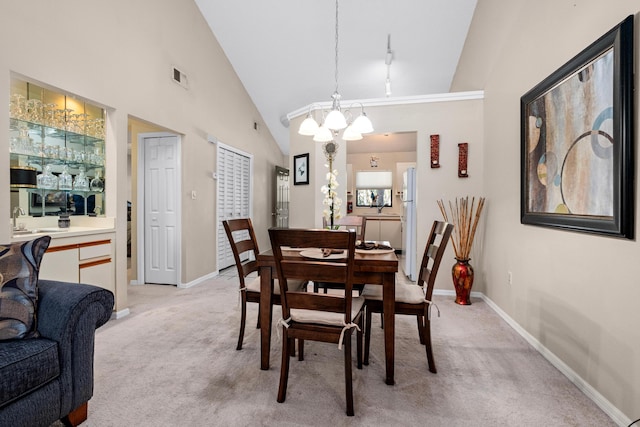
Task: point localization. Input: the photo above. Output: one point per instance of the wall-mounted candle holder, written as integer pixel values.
(463, 149)
(435, 151)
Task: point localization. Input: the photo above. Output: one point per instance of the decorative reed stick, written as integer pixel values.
(465, 220)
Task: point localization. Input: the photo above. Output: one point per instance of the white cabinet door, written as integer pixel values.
(350, 179)
(61, 265)
(373, 230)
(391, 232)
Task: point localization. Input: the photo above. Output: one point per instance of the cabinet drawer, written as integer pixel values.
(95, 250)
(99, 273)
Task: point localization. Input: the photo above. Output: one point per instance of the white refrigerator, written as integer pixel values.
(409, 223)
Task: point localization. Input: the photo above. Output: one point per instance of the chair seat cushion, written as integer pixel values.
(26, 365)
(253, 285)
(409, 294)
(325, 317)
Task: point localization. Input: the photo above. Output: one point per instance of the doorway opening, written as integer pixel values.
(140, 136)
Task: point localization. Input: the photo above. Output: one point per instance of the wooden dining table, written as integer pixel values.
(370, 268)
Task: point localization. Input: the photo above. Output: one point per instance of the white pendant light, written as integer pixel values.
(323, 134)
(362, 124)
(308, 127)
(350, 134)
(335, 120)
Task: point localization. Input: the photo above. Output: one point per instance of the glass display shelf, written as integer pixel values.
(56, 141)
(79, 135)
(37, 160)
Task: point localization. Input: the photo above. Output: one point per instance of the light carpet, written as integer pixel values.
(172, 362)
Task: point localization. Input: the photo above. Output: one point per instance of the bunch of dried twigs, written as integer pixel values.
(465, 219)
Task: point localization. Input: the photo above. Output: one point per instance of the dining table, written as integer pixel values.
(371, 267)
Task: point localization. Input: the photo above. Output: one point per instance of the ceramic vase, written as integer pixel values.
(462, 274)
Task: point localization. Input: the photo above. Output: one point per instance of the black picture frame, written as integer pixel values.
(577, 142)
(301, 169)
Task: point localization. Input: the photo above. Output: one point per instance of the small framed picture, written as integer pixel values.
(301, 169)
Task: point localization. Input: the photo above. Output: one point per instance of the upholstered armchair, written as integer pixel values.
(50, 377)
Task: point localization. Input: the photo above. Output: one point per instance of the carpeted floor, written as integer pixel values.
(172, 362)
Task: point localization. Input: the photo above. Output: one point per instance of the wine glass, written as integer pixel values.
(18, 106)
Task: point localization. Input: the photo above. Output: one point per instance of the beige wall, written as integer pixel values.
(455, 122)
(577, 294)
(120, 54)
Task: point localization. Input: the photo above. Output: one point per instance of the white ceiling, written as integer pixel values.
(284, 50)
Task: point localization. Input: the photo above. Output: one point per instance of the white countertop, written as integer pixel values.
(57, 233)
(80, 226)
(383, 216)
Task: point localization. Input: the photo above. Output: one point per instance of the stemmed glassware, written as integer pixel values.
(18, 106)
(34, 111)
(50, 115)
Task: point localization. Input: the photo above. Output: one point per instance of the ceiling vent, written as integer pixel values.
(179, 77)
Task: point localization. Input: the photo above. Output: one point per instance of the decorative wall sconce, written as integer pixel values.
(463, 149)
(435, 151)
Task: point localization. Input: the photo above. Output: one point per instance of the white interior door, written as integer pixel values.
(234, 169)
(161, 184)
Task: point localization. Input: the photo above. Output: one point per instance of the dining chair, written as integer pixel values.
(413, 299)
(244, 246)
(349, 222)
(313, 316)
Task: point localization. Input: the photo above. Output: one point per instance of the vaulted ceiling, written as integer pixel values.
(284, 50)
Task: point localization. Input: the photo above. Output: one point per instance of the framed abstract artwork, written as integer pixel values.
(301, 169)
(577, 159)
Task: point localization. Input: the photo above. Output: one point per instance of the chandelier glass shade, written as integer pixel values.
(309, 126)
(350, 134)
(336, 120)
(323, 134)
(362, 124)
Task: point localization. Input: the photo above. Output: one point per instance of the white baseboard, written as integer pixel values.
(614, 413)
(120, 314)
(198, 280)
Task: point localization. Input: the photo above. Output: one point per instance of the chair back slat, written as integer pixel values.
(312, 301)
(293, 266)
(242, 239)
(350, 222)
(302, 269)
(434, 250)
(243, 246)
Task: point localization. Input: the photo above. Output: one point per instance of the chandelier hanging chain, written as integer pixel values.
(335, 120)
(336, 71)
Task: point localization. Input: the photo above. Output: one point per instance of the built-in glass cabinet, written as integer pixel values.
(57, 152)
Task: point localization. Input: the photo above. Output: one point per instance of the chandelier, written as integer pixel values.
(335, 120)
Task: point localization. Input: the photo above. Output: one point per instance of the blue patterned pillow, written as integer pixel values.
(19, 267)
